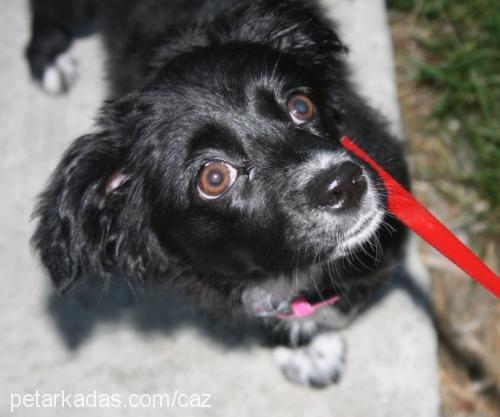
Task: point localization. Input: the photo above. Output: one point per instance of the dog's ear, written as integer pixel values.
(78, 211)
(294, 27)
(305, 34)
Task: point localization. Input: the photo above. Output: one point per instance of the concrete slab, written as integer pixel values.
(162, 345)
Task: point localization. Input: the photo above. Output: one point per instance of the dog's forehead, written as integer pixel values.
(249, 109)
(239, 92)
(235, 96)
(218, 78)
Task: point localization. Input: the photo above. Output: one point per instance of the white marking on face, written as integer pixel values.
(321, 161)
(359, 235)
(314, 227)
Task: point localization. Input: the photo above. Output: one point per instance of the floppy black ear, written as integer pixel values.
(295, 27)
(305, 33)
(76, 215)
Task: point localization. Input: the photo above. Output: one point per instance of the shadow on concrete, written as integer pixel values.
(159, 311)
(77, 315)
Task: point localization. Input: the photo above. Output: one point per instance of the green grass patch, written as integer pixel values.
(463, 66)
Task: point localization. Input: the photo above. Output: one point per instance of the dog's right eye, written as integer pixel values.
(215, 178)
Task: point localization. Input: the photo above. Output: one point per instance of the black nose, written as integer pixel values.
(341, 187)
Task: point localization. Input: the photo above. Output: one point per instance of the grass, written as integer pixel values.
(462, 65)
(448, 73)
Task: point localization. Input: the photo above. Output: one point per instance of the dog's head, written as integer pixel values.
(227, 162)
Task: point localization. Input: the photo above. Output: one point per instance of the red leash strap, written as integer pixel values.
(407, 209)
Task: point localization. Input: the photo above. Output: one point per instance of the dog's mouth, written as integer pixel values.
(302, 296)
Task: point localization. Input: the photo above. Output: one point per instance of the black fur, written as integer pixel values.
(197, 80)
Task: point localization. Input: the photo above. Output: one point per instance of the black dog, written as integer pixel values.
(217, 165)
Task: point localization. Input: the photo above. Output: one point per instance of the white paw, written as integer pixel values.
(318, 364)
(60, 76)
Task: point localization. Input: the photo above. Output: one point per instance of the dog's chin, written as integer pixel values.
(341, 243)
(272, 295)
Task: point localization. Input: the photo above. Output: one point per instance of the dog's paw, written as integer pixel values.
(318, 364)
(59, 76)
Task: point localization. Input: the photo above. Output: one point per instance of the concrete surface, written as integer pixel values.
(118, 346)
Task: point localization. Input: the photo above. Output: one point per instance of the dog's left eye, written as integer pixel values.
(215, 178)
(301, 108)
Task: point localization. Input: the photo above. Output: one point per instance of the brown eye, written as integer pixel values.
(215, 178)
(301, 108)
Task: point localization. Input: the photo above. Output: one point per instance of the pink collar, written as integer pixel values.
(300, 307)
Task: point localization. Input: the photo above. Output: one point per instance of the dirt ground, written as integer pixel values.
(468, 316)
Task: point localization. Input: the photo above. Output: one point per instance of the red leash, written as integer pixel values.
(410, 212)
